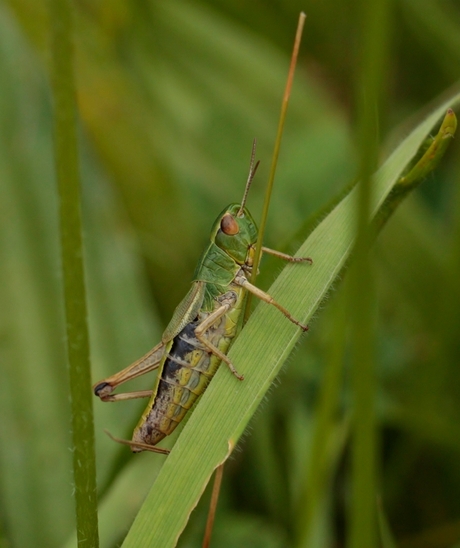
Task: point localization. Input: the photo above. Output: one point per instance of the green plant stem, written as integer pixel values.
(363, 522)
(66, 152)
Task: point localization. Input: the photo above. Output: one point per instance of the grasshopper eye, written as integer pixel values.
(228, 225)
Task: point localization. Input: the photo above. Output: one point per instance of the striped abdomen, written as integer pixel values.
(187, 369)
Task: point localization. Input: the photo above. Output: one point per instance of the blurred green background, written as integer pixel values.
(171, 95)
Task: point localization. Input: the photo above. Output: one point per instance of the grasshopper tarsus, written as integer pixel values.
(308, 260)
(303, 327)
(286, 257)
(232, 369)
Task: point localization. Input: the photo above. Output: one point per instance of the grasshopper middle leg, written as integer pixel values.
(206, 324)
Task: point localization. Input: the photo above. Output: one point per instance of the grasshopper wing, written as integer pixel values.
(186, 311)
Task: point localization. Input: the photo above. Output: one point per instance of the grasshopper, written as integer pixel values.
(201, 330)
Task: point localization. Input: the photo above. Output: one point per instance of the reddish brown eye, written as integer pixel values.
(228, 225)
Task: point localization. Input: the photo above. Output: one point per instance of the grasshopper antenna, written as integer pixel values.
(252, 172)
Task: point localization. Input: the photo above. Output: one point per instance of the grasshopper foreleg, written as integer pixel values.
(206, 324)
(244, 282)
(147, 363)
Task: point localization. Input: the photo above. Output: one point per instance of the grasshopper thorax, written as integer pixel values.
(235, 232)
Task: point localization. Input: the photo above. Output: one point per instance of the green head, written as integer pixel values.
(235, 231)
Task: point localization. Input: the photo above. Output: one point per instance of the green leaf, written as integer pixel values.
(259, 353)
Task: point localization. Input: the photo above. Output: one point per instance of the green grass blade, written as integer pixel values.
(326, 446)
(259, 353)
(371, 79)
(67, 169)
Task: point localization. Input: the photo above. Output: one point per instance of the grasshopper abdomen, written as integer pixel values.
(186, 372)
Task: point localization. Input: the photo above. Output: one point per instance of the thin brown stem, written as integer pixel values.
(279, 134)
(213, 505)
(258, 252)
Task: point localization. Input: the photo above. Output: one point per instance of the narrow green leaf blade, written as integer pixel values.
(259, 353)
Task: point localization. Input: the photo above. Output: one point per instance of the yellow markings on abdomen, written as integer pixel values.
(185, 374)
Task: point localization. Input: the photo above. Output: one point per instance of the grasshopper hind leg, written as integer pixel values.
(139, 446)
(104, 389)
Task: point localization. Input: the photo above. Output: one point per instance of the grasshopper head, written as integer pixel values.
(235, 232)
